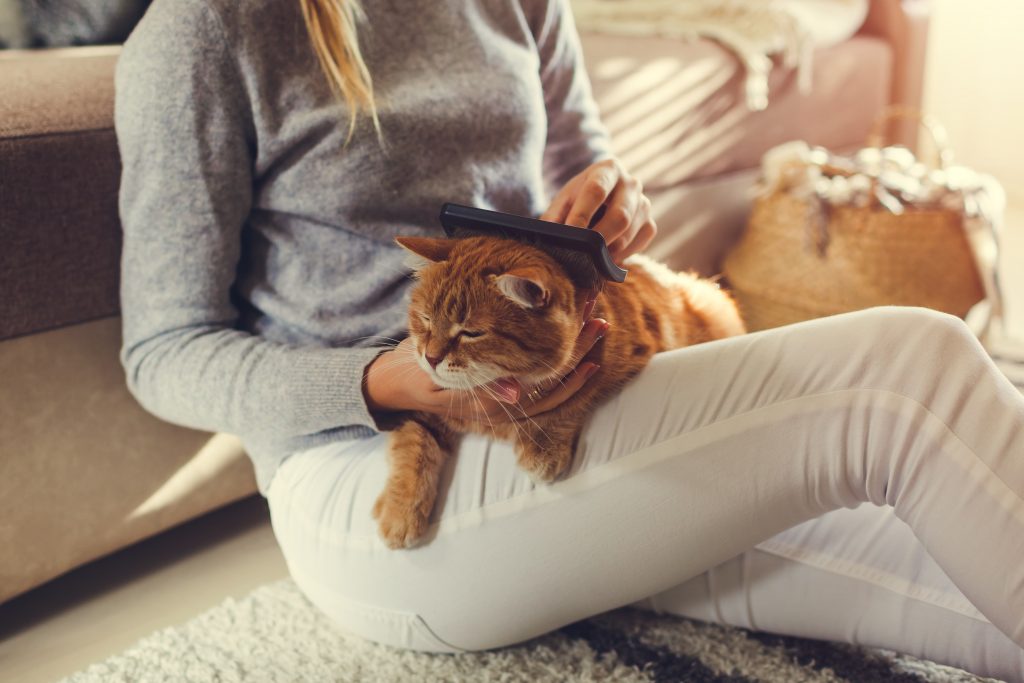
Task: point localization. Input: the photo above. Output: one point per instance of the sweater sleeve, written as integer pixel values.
(576, 137)
(186, 139)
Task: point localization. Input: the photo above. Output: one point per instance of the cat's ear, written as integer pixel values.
(425, 250)
(526, 286)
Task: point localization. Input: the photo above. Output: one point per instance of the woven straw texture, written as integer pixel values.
(781, 272)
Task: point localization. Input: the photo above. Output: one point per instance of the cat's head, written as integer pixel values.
(486, 308)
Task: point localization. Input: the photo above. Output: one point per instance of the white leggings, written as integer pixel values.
(690, 493)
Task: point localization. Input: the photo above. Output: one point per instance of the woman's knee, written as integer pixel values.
(902, 323)
(904, 336)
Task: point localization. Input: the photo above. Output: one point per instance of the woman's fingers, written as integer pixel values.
(590, 334)
(596, 186)
(544, 398)
(617, 221)
(582, 197)
(640, 234)
(643, 238)
(559, 208)
(586, 300)
(610, 201)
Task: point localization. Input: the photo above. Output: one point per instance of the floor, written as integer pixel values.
(104, 607)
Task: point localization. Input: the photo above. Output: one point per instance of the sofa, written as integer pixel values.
(85, 471)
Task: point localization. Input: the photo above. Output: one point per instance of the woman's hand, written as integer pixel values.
(626, 225)
(395, 381)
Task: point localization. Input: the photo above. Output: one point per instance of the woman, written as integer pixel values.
(273, 149)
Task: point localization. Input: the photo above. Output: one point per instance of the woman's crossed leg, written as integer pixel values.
(710, 451)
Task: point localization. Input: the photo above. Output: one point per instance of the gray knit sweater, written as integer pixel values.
(259, 275)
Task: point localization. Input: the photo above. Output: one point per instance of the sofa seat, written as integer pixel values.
(84, 470)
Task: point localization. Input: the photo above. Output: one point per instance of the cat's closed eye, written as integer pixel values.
(472, 334)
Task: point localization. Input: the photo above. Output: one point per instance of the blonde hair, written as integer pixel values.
(332, 28)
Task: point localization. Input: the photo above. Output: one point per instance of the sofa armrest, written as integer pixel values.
(60, 172)
(904, 25)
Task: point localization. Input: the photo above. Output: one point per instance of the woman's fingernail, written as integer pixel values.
(507, 390)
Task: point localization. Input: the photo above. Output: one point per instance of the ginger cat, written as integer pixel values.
(486, 308)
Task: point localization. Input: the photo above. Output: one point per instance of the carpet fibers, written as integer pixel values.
(275, 634)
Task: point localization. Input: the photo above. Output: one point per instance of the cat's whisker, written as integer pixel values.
(395, 342)
(529, 418)
(405, 374)
(452, 394)
(556, 377)
(462, 402)
(404, 358)
(511, 418)
(408, 363)
(404, 363)
(472, 392)
(493, 396)
(451, 404)
(525, 416)
(406, 371)
(407, 355)
(474, 380)
(515, 420)
(501, 404)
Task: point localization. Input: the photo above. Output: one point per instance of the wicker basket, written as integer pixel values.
(801, 258)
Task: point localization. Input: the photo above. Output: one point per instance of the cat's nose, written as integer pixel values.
(434, 360)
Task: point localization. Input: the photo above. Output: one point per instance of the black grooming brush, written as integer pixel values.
(583, 253)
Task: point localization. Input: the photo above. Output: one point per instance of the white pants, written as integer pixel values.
(691, 493)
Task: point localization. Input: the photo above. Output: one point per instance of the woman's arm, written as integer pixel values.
(578, 160)
(185, 135)
(576, 137)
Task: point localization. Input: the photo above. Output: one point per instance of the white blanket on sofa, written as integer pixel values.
(754, 30)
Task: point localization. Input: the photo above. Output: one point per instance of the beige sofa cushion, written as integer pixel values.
(83, 469)
(59, 231)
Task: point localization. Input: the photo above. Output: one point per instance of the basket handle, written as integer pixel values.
(876, 137)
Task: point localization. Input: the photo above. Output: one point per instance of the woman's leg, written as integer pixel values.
(852, 575)
(711, 450)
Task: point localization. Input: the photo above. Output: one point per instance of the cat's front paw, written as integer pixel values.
(545, 466)
(399, 525)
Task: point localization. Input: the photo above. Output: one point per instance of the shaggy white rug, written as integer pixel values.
(275, 634)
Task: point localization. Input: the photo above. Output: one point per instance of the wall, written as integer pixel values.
(975, 85)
